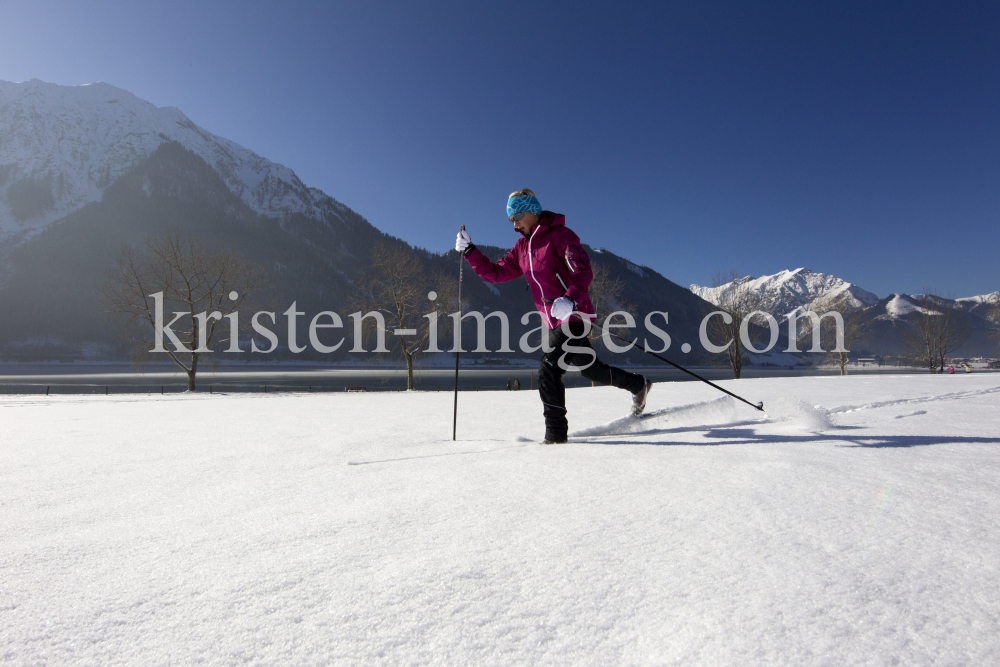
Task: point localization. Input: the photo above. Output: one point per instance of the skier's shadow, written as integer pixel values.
(748, 436)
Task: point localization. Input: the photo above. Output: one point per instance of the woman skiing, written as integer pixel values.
(558, 273)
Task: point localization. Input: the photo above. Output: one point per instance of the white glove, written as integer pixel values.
(463, 241)
(562, 308)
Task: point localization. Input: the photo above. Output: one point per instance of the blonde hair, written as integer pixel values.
(525, 191)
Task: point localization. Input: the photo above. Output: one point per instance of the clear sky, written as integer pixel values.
(857, 139)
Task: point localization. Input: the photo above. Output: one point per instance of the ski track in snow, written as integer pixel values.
(431, 456)
(695, 416)
(952, 396)
(724, 412)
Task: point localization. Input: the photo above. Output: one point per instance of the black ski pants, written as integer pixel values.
(550, 374)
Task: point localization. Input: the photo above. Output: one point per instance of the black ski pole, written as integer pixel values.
(461, 265)
(758, 406)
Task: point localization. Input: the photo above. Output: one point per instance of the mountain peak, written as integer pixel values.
(61, 146)
(791, 290)
(992, 297)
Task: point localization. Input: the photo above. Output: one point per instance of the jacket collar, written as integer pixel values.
(546, 220)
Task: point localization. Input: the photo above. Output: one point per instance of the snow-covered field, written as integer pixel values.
(348, 529)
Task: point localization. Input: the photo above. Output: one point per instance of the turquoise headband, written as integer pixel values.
(527, 203)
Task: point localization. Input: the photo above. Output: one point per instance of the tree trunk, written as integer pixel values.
(409, 371)
(191, 373)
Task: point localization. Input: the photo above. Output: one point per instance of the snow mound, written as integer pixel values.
(799, 415)
(722, 411)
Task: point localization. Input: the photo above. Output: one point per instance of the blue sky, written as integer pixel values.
(858, 139)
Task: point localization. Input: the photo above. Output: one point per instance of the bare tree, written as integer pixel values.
(993, 315)
(952, 332)
(608, 295)
(853, 329)
(936, 328)
(738, 301)
(409, 298)
(200, 287)
(918, 337)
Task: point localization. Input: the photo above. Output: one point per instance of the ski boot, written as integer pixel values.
(639, 398)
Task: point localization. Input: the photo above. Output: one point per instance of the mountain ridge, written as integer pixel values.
(817, 289)
(64, 145)
(97, 162)
(105, 172)
(878, 321)
(793, 291)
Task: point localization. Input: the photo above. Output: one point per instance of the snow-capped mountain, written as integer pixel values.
(992, 298)
(899, 306)
(88, 170)
(792, 291)
(62, 146)
(85, 170)
(987, 305)
(876, 323)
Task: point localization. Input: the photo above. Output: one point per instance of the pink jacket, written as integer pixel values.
(552, 261)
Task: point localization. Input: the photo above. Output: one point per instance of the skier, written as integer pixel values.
(558, 273)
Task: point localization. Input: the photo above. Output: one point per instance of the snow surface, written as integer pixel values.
(857, 523)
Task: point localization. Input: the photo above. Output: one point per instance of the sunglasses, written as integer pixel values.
(517, 217)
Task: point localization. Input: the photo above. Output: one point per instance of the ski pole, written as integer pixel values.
(461, 265)
(758, 406)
